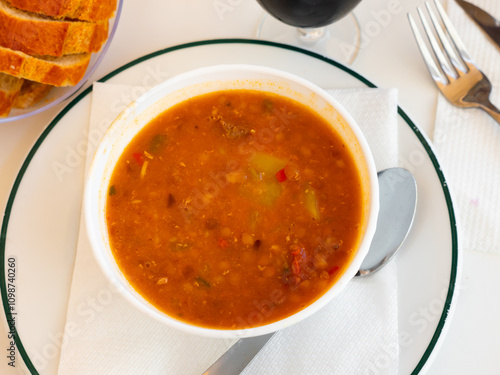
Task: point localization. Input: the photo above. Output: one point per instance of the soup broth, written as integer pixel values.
(234, 209)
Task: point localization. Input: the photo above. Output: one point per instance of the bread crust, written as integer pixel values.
(9, 90)
(88, 10)
(6, 103)
(31, 93)
(43, 36)
(50, 71)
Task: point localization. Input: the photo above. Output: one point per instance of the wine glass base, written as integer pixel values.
(340, 41)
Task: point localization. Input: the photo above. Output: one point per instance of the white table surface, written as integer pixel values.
(390, 59)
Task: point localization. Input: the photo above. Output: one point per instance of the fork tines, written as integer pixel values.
(446, 33)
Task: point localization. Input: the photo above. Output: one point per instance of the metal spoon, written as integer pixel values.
(398, 202)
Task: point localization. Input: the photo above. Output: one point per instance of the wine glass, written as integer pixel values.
(324, 26)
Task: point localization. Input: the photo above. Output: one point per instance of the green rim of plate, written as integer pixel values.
(420, 136)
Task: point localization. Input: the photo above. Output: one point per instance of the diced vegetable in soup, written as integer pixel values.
(234, 209)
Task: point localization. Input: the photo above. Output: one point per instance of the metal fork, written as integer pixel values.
(461, 82)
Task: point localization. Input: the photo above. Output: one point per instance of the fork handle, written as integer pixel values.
(492, 111)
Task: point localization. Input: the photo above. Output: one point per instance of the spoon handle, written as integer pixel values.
(238, 356)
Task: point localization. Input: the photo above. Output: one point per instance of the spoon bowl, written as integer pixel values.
(398, 203)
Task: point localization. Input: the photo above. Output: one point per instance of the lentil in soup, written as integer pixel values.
(234, 209)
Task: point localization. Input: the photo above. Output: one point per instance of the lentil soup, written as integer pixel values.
(234, 209)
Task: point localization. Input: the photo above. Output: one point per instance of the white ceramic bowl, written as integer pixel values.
(197, 82)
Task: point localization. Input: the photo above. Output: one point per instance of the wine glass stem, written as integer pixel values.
(311, 35)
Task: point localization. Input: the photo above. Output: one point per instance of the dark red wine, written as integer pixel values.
(308, 13)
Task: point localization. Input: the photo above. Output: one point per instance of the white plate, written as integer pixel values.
(41, 221)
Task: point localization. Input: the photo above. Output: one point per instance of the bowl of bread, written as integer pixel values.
(49, 49)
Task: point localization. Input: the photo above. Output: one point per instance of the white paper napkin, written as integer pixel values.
(357, 332)
(467, 142)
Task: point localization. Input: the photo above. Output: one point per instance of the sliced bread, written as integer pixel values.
(66, 70)
(88, 10)
(9, 89)
(40, 35)
(31, 93)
